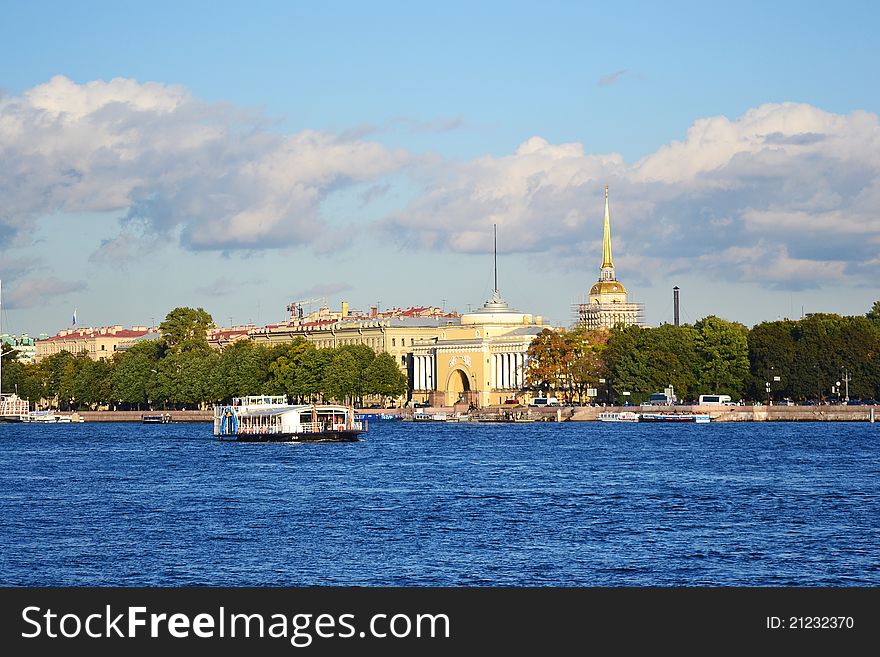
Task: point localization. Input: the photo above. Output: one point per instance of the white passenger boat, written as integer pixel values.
(699, 418)
(49, 417)
(265, 418)
(622, 416)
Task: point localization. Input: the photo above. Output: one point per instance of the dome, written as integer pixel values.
(608, 287)
(496, 311)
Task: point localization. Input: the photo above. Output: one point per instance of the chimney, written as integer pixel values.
(374, 311)
(675, 304)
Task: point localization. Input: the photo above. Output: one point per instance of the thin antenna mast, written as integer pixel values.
(495, 252)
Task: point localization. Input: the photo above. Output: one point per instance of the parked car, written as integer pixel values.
(855, 402)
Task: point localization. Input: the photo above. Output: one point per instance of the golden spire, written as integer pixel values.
(606, 241)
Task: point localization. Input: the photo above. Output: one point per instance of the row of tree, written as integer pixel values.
(181, 370)
(819, 357)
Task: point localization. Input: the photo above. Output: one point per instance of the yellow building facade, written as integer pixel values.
(98, 343)
(481, 362)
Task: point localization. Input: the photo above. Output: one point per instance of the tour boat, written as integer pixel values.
(264, 418)
(623, 416)
(699, 418)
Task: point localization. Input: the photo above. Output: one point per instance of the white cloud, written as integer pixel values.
(785, 189)
(786, 194)
(31, 292)
(167, 160)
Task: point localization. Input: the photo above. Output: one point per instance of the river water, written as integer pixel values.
(543, 504)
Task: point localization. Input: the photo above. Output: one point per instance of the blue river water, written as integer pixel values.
(543, 504)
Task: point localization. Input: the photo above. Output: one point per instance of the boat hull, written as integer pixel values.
(660, 417)
(344, 436)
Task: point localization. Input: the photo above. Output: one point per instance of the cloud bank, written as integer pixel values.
(169, 161)
(786, 195)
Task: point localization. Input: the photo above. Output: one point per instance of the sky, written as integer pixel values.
(241, 156)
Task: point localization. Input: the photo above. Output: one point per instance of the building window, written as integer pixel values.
(393, 342)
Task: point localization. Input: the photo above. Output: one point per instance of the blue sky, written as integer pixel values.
(239, 156)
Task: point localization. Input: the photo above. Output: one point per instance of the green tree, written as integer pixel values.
(186, 377)
(384, 378)
(92, 383)
(135, 377)
(283, 363)
(363, 356)
(723, 349)
(19, 377)
(308, 378)
(874, 313)
(672, 359)
(627, 361)
(241, 370)
(185, 329)
(67, 387)
(773, 350)
(341, 376)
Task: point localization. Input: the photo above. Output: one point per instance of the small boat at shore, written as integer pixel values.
(699, 418)
(49, 417)
(156, 418)
(264, 418)
(622, 416)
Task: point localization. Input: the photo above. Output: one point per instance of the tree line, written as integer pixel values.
(818, 358)
(180, 370)
(814, 358)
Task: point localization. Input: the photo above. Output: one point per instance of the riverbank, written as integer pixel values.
(574, 414)
(750, 413)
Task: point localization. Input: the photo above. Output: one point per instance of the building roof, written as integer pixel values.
(88, 334)
(608, 287)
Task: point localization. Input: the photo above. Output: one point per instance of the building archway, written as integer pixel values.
(458, 387)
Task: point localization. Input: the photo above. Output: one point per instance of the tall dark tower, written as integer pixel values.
(675, 303)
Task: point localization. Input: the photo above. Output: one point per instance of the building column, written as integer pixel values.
(506, 366)
(417, 374)
(431, 372)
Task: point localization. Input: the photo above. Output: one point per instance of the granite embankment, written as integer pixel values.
(748, 413)
(582, 413)
(138, 416)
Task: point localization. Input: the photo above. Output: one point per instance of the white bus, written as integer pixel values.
(714, 399)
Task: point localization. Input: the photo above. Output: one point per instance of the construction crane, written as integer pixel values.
(296, 307)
